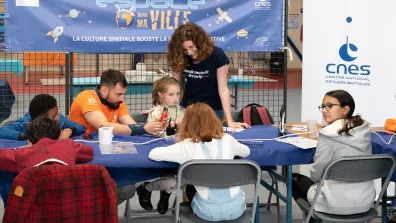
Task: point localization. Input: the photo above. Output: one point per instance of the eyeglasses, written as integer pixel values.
(328, 106)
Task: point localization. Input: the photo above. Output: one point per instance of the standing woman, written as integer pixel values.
(192, 55)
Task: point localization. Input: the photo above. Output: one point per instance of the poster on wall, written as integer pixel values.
(346, 49)
(140, 25)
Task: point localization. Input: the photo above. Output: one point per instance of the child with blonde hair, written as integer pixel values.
(201, 136)
(166, 95)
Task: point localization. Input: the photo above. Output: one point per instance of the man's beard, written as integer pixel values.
(114, 105)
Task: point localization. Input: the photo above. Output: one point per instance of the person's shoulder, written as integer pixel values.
(156, 110)
(217, 50)
(88, 95)
(227, 136)
(25, 118)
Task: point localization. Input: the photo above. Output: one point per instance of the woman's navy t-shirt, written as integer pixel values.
(201, 80)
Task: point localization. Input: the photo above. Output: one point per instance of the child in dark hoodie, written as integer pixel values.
(41, 105)
(44, 146)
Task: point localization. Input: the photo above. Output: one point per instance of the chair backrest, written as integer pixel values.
(223, 173)
(360, 168)
(354, 169)
(138, 117)
(219, 174)
(58, 193)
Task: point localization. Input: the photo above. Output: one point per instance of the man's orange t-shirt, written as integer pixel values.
(88, 101)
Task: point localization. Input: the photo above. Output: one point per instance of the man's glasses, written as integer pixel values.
(327, 106)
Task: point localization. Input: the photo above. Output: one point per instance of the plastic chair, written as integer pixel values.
(352, 170)
(138, 117)
(223, 173)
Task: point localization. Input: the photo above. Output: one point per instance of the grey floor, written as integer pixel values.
(294, 114)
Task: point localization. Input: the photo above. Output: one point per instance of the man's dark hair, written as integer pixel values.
(41, 104)
(43, 127)
(110, 78)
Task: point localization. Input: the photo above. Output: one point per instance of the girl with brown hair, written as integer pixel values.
(193, 57)
(166, 95)
(201, 136)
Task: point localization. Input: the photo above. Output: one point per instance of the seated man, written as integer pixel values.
(41, 105)
(105, 106)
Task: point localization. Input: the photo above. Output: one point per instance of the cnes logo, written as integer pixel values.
(262, 5)
(348, 53)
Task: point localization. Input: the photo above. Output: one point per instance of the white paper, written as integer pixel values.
(301, 128)
(28, 3)
(118, 148)
(301, 142)
(229, 129)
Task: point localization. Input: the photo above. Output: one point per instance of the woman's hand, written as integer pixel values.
(237, 125)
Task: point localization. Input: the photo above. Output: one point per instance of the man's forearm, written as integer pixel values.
(119, 129)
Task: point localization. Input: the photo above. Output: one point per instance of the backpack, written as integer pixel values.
(255, 114)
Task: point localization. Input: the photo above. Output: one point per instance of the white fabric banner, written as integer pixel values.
(350, 45)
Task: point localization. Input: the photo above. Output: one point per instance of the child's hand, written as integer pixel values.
(154, 127)
(66, 133)
(145, 112)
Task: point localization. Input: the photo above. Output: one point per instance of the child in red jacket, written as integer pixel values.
(44, 147)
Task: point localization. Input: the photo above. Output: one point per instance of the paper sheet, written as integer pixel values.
(118, 148)
(229, 129)
(301, 128)
(301, 142)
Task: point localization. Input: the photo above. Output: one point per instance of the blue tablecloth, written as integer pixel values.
(380, 147)
(266, 153)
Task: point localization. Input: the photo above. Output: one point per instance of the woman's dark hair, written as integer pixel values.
(346, 99)
(41, 104)
(43, 127)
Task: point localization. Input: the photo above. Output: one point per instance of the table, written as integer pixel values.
(133, 168)
(7, 99)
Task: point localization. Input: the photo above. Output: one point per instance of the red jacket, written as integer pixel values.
(66, 150)
(83, 193)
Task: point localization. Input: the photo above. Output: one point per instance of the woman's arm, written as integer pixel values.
(224, 93)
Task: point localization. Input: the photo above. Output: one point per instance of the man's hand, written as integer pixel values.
(66, 133)
(154, 128)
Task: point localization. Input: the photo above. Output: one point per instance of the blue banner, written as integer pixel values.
(103, 26)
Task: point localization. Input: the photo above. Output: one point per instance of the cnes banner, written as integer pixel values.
(344, 49)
